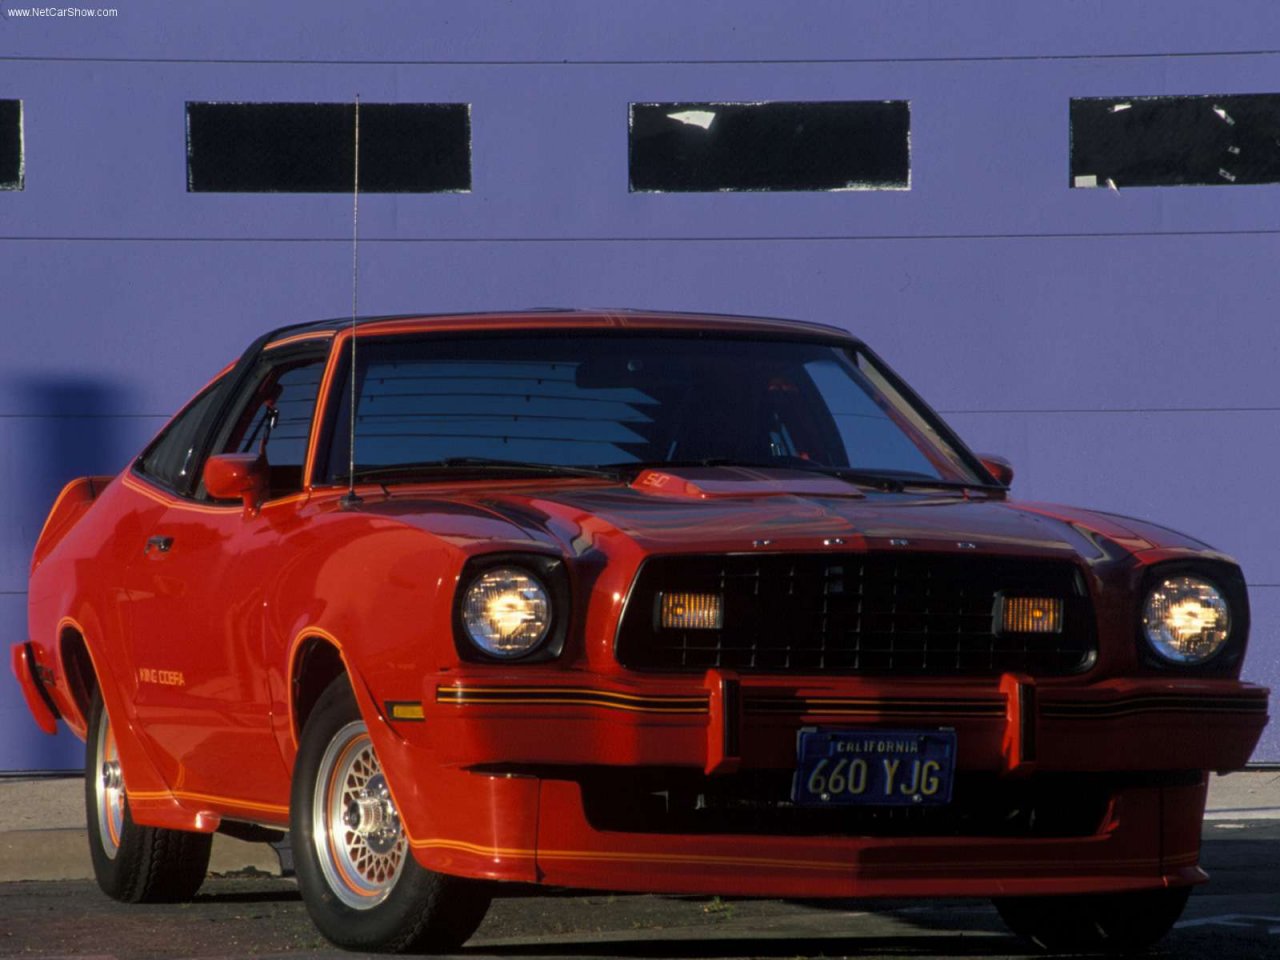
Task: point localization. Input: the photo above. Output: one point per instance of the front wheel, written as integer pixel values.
(360, 883)
(1105, 923)
(132, 863)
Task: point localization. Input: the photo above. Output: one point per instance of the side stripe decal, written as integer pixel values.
(1165, 703)
(575, 696)
(833, 706)
(843, 706)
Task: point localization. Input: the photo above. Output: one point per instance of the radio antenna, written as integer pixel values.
(352, 499)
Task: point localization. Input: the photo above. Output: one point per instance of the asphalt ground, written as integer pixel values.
(1236, 916)
(245, 911)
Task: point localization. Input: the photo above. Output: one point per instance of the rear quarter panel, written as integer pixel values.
(75, 584)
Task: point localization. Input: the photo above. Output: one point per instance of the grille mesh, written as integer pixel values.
(918, 614)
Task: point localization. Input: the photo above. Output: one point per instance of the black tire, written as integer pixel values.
(132, 863)
(362, 887)
(1099, 923)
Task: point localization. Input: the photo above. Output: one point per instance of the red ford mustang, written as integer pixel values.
(627, 601)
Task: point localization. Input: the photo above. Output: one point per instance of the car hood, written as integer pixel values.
(730, 509)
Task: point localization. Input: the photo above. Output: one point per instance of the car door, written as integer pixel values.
(197, 585)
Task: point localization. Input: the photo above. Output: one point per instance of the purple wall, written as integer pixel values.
(1119, 347)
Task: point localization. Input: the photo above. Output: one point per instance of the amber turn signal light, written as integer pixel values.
(1031, 615)
(691, 611)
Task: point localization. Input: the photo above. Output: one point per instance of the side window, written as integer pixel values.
(168, 461)
(278, 412)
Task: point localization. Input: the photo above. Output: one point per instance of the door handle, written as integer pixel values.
(160, 544)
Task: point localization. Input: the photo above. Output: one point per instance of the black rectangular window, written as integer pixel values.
(10, 144)
(832, 145)
(309, 147)
(1175, 141)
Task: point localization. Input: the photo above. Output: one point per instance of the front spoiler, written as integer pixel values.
(534, 828)
(1151, 840)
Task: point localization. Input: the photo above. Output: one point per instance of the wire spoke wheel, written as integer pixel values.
(359, 841)
(358, 877)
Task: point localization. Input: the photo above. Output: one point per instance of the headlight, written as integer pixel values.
(1186, 619)
(506, 612)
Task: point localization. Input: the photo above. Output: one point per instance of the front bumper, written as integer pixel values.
(722, 722)
(489, 782)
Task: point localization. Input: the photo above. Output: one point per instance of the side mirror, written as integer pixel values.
(998, 467)
(237, 476)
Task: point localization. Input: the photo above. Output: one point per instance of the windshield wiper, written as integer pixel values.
(481, 465)
(890, 482)
(896, 481)
(635, 466)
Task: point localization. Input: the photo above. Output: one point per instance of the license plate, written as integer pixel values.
(873, 767)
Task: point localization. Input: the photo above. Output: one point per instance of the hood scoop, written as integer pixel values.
(716, 483)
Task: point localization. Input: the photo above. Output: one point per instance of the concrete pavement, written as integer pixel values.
(42, 835)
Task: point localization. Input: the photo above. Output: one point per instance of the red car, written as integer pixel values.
(626, 601)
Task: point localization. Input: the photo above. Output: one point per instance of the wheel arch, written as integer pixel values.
(87, 670)
(316, 662)
(80, 672)
(318, 659)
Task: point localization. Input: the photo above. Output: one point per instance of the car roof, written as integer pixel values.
(557, 318)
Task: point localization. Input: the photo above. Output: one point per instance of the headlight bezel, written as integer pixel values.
(548, 570)
(1228, 580)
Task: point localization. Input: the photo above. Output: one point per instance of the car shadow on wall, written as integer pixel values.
(63, 428)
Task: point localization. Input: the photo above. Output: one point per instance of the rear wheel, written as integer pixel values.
(132, 863)
(1105, 923)
(359, 880)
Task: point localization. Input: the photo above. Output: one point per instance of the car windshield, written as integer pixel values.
(585, 399)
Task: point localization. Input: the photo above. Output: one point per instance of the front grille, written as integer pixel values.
(878, 614)
(670, 800)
